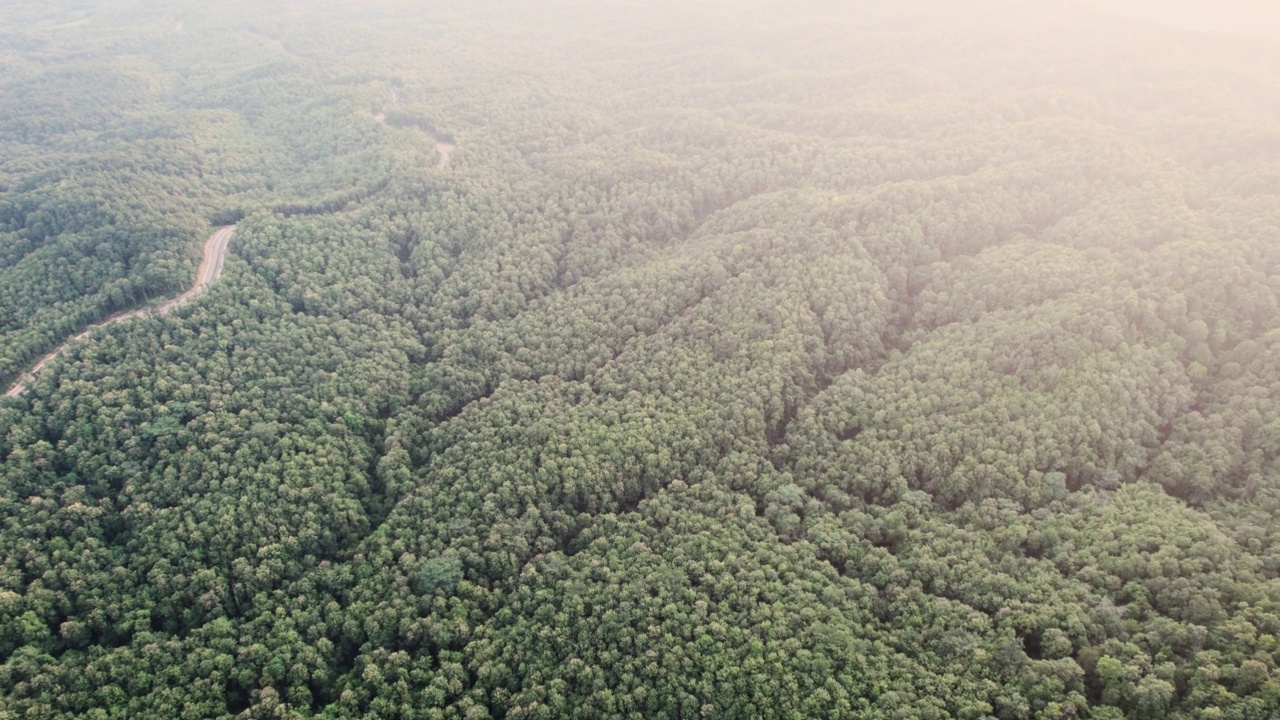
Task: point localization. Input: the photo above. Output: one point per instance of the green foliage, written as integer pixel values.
(439, 574)
(918, 360)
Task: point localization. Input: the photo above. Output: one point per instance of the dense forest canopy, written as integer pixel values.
(891, 359)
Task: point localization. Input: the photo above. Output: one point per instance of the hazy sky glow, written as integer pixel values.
(1255, 17)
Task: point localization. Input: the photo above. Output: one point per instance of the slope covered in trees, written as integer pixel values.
(124, 143)
(912, 361)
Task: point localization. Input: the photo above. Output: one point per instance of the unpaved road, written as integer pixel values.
(445, 149)
(215, 254)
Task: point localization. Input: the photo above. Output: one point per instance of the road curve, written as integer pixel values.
(445, 149)
(215, 254)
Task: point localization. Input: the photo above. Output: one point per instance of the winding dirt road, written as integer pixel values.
(444, 149)
(215, 254)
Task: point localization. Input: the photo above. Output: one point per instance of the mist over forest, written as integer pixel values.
(891, 359)
(1242, 17)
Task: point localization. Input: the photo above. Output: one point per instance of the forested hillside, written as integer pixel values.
(123, 140)
(917, 359)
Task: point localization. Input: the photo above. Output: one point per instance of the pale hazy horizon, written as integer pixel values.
(1249, 17)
